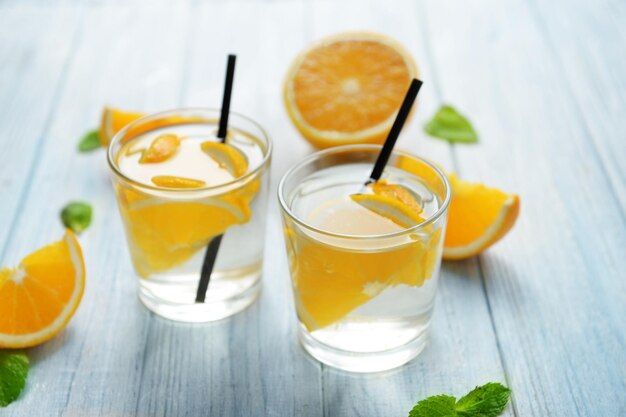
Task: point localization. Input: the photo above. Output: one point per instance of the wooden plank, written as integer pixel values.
(588, 46)
(555, 285)
(35, 47)
(94, 367)
(250, 364)
(463, 351)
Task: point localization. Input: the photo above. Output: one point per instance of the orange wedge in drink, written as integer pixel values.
(40, 296)
(161, 149)
(347, 88)
(478, 217)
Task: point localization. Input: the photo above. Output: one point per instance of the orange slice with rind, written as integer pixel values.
(227, 157)
(40, 296)
(170, 181)
(112, 121)
(164, 233)
(478, 217)
(161, 149)
(390, 208)
(347, 88)
(397, 192)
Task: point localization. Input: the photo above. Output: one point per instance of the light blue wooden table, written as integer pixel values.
(544, 311)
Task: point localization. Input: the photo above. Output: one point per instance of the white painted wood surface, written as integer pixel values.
(543, 311)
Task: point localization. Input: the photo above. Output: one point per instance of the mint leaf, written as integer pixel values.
(450, 125)
(486, 401)
(435, 406)
(89, 141)
(76, 216)
(13, 372)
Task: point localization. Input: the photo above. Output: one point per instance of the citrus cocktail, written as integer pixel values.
(364, 260)
(178, 188)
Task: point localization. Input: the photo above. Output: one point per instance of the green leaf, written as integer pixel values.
(486, 401)
(13, 372)
(435, 406)
(89, 141)
(450, 125)
(77, 216)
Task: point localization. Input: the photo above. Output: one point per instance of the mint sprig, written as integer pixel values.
(13, 373)
(89, 141)
(76, 216)
(488, 400)
(450, 125)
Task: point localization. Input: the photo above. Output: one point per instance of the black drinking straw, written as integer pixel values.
(214, 246)
(390, 142)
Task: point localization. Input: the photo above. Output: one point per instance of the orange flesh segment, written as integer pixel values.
(165, 234)
(112, 121)
(331, 282)
(161, 149)
(176, 182)
(398, 192)
(228, 157)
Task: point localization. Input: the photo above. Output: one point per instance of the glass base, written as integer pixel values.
(173, 297)
(362, 362)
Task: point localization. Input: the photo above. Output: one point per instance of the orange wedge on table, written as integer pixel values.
(40, 296)
(478, 217)
(347, 88)
(112, 121)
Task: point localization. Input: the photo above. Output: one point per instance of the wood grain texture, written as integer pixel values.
(588, 48)
(542, 311)
(555, 285)
(35, 48)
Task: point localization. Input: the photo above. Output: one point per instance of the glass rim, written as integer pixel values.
(227, 185)
(347, 148)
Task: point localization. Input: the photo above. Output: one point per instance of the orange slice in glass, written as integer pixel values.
(228, 157)
(161, 149)
(170, 181)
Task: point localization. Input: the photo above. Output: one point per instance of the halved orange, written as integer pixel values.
(40, 296)
(477, 218)
(347, 88)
